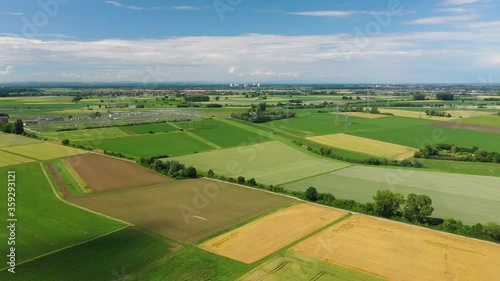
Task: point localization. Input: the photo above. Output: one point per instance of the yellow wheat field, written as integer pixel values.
(397, 251)
(7, 159)
(266, 235)
(367, 146)
(44, 151)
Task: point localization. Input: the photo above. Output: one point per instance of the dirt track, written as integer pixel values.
(478, 128)
(104, 173)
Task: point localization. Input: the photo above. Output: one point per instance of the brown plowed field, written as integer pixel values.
(266, 235)
(397, 251)
(472, 127)
(104, 173)
(186, 210)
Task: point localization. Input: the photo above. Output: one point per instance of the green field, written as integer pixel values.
(269, 162)
(14, 140)
(89, 134)
(418, 136)
(191, 264)
(148, 128)
(460, 167)
(471, 199)
(294, 266)
(222, 134)
(312, 124)
(171, 144)
(111, 257)
(45, 223)
(482, 120)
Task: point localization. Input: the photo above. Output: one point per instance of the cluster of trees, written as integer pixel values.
(445, 96)
(196, 98)
(14, 91)
(419, 96)
(327, 152)
(16, 128)
(457, 153)
(437, 113)
(173, 169)
(259, 114)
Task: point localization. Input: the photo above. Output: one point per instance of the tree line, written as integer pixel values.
(457, 153)
(258, 113)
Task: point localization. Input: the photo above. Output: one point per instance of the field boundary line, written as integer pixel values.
(322, 174)
(70, 246)
(197, 137)
(78, 206)
(13, 153)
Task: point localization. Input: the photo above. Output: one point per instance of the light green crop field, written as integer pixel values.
(222, 134)
(44, 151)
(89, 134)
(312, 124)
(172, 144)
(147, 128)
(44, 222)
(269, 162)
(469, 198)
(191, 264)
(493, 120)
(460, 167)
(294, 266)
(14, 140)
(111, 257)
(8, 159)
(418, 136)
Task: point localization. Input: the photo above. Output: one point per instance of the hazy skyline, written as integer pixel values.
(449, 41)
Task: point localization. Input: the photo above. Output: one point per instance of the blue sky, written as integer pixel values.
(362, 41)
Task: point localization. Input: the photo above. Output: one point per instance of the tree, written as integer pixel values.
(387, 203)
(252, 182)
(190, 172)
(211, 174)
(18, 127)
(492, 229)
(445, 96)
(312, 194)
(417, 207)
(217, 98)
(241, 180)
(65, 141)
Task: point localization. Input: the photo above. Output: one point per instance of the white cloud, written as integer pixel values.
(269, 73)
(443, 20)
(264, 56)
(335, 13)
(7, 71)
(461, 2)
(186, 8)
(130, 7)
(11, 14)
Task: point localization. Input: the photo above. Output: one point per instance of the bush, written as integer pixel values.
(66, 142)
